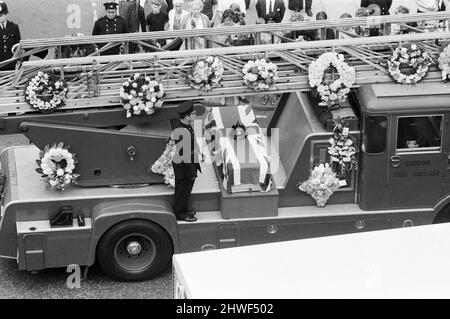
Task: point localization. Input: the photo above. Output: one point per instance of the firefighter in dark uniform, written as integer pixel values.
(186, 161)
(9, 36)
(111, 23)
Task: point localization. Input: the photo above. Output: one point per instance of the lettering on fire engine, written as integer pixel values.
(400, 174)
(425, 173)
(418, 163)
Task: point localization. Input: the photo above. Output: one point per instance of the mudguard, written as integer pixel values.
(108, 214)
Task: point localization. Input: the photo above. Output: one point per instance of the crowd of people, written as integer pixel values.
(157, 15)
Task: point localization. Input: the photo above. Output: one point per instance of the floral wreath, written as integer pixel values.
(339, 88)
(444, 63)
(206, 73)
(45, 92)
(342, 150)
(409, 56)
(140, 95)
(260, 75)
(56, 164)
(163, 165)
(321, 184)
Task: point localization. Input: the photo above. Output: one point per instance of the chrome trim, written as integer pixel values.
(227, 240)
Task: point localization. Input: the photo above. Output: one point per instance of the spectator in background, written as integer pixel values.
(229, 19)
(425, 6)
(384, 5)
(265, 37)
(399, 29)
(327, 34)
(376, 29)
(265, 7)
(132, 12)
(239, 39)
(297, 6)
(346, 32)
(362, 31)
(196, 20)
(9, 36)
(240, 16)
(157, 21)
(401, 10)
(242, 39)
(302, 35)
(176, 15)
(146, 6)
(210, 9)
(223, 5)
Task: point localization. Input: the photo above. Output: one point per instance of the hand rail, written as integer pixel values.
(273, 27)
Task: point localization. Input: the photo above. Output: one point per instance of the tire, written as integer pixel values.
(134, 250)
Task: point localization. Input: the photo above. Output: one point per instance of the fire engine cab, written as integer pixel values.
(121, 212)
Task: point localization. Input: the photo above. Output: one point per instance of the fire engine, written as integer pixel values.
(120, 213)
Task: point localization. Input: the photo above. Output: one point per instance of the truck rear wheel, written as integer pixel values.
(134, 250)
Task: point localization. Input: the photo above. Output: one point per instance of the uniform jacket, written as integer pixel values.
(185, 166)
(8, 37)
(297, 5)
(110, 26)
(278, 7)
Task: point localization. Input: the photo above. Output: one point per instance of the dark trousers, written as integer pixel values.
(185, 175)
(183, 190)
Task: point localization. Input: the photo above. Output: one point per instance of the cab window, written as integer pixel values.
(419, 133)
(374, 138)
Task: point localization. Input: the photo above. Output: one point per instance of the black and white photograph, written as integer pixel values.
(235, 152)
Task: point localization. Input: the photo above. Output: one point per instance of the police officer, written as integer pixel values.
(186, 160)
(9, 36)
(111, 23)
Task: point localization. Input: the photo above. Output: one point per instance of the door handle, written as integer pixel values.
(395, 161)
(131, 152)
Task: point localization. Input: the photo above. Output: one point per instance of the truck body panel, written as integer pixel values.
(373, 198)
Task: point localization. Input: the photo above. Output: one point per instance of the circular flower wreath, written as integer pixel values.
(45, 92)
(260, 75)
(444, 62)
(339, 88)
(56, 164)
(140, 95)
(409, 56)
(205, 73)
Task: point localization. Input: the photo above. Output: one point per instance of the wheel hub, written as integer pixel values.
(134, 248)
(135, 251)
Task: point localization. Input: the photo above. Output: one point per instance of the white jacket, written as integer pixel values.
(184, 14)
(428, 5)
